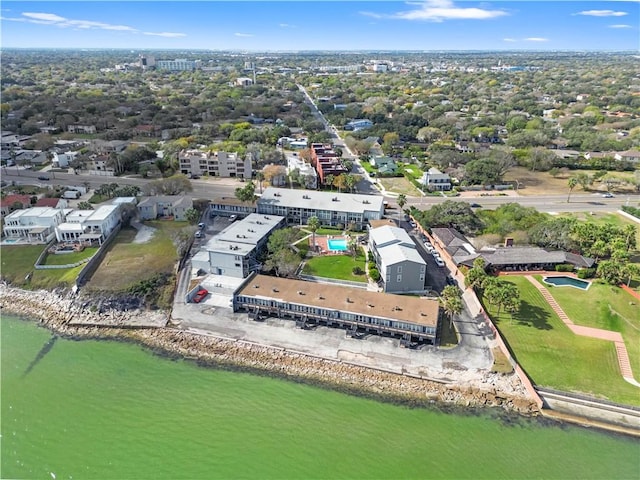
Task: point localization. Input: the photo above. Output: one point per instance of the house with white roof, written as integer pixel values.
(89, 225)
(306, 171)
(234, 251)
(33, 225)
(402, 268)
(434, 179)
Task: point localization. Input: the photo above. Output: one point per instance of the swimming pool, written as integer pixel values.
(10, 240)
(337, 244)
(563, 281)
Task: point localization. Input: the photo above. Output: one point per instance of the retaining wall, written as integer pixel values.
(94, 261)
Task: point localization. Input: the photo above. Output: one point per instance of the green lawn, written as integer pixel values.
(607, 307)
(336, 266)
(18, 261)
(127, 263)
(413, 170)
(554, 357)
(68, 258)
(328, 231)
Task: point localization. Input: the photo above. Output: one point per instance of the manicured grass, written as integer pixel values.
(368, 167)
(554, 357)
(68, 258)
(603, 306)
(127, 263)
(18, 261)
(400, 185)
(328, 231)
(336, 266)
(448, 337)
(413, 170)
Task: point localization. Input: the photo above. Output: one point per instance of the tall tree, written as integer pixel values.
(402, 200)
(573, 181)
(451, 301)
(313, 224)
(246, 194)
(329, 179)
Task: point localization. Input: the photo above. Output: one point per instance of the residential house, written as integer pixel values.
(29, 157)
(215, 164)
(455, 247)
(59, 203)
(331, 208)
(358, 124)
(434, 179)
(14, 202)
(75, 128)
(62, 160)
(356, 309)
(306, 171)
(629, 156)
(33, 225)
(385, 165)
(147, 130)
(244, 82)
(234, 251)
(108, 146)
(89, 226)
(165, 206)
(402, 268)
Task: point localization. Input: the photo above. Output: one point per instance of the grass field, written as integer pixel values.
(554, 357)
(400, 185)
(606, 307)
(336, 266)
(18, 261)
(127, 263)
(68, 258)
(413, 170)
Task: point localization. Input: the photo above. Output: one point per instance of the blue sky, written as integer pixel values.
(326, 25)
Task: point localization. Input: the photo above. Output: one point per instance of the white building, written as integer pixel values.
(214, 164)
(434, 179)
(89, 225)
(177, 65)
(34, 225)
(62, 160)
(165, 206)
(233, 252)
(402, 268)
(306, 171)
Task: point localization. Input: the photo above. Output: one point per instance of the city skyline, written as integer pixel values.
(326, 25)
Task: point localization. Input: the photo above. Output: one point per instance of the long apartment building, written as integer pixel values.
(310, 303)
(331, 208)
(326, 161)
(214, 164)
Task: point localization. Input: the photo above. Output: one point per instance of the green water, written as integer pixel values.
(88, 409)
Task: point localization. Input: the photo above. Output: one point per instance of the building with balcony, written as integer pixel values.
(177, 65)
(307, 172)
(215, 164)
(234, 251)
(358, 310)
(331, 208)
(326, 161)
(434, 179)
(89, 226)
(33, 225)
(402, 268)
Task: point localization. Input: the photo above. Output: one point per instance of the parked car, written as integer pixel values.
(475, 205)
(201, 225)
(43, 177)
(413, 224)
(428, 247)
(450, 280)
(200, 295)
(199, 234)
(233, 218)
(439, 261)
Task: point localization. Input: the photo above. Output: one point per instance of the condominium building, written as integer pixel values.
(326, 161)
(177, 65)
(215, 164)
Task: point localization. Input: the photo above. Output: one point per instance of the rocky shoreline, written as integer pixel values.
(55, 311)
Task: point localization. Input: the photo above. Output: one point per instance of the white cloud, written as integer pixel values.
(536, 39)
(165, 34)
(620, 25)
(602, 13)
(243, 34)
(439, 11)
(41, 18)
(509, 39)
(286, 25)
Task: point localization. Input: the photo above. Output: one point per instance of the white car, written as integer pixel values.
(607, 195)
(428, 247)
(233, 218)
(439, 261)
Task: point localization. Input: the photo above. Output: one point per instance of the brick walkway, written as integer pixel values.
(621, 349)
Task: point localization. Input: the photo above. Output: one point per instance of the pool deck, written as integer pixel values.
(322, 244)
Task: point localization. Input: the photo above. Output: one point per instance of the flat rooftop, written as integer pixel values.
(315, 200)
(421, 311)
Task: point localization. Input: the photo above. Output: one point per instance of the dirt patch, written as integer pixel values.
(144, 235)
(399, 185)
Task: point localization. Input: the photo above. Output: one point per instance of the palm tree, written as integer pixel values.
(350, 181)
(260, 179)
(451, 301)
(329, 179)
(573, 181)
(313, 224)
(402, 200)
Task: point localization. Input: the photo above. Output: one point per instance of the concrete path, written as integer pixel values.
(621, 349)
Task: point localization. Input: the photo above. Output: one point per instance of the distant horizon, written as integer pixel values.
(329, 26)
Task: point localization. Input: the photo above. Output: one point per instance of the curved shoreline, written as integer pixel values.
(54, 312)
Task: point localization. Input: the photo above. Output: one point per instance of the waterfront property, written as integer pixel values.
(88, 226)
(566, 281)
(331, 208)
(401, 267)
(234, 251)
(356, 309)
(33, 225)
